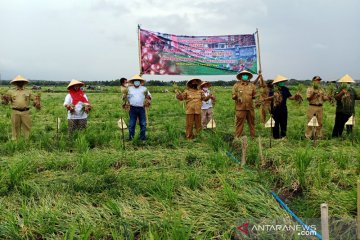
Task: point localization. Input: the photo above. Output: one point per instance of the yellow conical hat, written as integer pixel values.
(279, 78)
(137, 77)
(197, 80)
(313, 122)
(346, 79)
(75, 82)
(238, 76)
(19, 78)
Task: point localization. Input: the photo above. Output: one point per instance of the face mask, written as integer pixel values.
(245, 77)
(205, 89)
(136, 83)
(281, 84)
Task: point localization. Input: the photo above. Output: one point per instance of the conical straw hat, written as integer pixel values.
(242, 73)
(346, 79)
(137, 77)
(351, 121)
(313, 122)
(279, 78)
(211, 124)
(19, 78)
(270, 123)
(121, 124)
(203, 84)
(75, 82)
(197, 80)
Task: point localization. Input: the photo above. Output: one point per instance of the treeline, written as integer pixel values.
(116, 82)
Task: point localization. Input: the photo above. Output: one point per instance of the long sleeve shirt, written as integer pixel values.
(243, 94)
(20, 98)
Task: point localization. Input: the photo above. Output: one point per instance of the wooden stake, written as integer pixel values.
(271, 128)
(353, 128)
(261, 154)
(324, 221)
(314, 131)
(122, 132)
(358, 210)
(243, 148)
(147, 116)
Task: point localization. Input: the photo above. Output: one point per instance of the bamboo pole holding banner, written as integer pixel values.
(258, 49)
(139, 47)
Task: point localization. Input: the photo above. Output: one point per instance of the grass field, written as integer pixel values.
(88, 187)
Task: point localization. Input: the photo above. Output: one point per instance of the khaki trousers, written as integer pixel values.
(241, 115)
(190, 120)
(318, 111)
(20, 120)
(206, 116)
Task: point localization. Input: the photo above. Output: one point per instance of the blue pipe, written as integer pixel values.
(308, 228)
(230, 155)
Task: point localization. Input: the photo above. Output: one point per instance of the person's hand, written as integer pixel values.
(87, 108)
(147, 104)
(37, 105)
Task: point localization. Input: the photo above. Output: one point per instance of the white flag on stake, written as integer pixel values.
(270, 123)
(313, 122)
(121, 124)
(211, 124)
(351, 121)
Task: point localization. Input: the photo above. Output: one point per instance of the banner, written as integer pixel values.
(168, 54)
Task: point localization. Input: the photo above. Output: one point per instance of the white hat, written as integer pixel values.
(279, 78)
(75, 82)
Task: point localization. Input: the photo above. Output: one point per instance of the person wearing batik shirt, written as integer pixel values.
(207, 106)
(78, 106)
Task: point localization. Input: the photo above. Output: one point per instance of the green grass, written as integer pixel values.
(88, 187)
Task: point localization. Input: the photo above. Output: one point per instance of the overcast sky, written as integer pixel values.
(97, 39)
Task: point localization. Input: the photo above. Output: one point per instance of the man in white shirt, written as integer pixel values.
(139, 98)
(207, 106)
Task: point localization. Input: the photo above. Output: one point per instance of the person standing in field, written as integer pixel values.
(77, 105)
(279, 108)
(19, 98)
(193, 96)
(207, 106)
(316, 97)
(345, 97)
(243, 92)
(139, 98)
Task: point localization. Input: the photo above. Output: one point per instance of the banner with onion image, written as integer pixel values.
(169, 54)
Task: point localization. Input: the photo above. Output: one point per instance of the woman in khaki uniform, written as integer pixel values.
(243, 93)
(20, 98)
(193, 97)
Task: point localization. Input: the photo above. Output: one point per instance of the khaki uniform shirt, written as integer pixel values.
(124, 92)
(20, 97)
(318, 99)
(193, 98)
(244, 93)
